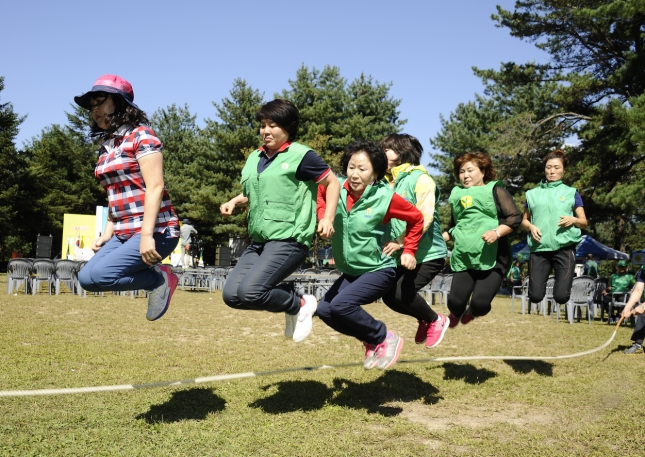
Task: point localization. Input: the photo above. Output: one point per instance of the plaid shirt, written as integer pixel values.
(118, 172)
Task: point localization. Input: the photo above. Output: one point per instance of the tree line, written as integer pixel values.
(590, 94)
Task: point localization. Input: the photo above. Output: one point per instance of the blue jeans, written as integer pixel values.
(118, 265)
(254, 283)
(341, 307)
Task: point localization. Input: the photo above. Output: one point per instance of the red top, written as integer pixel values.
(399, 208)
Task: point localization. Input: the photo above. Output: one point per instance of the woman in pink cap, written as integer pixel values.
(142, 227)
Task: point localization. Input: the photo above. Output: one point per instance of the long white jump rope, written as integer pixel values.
(228, 377)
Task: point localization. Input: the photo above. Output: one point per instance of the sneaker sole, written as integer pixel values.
(399, 346)
(446, 326)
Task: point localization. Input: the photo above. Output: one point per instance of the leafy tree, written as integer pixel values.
(334, 113)
(590, 88)
(60, 167)
(202, 166)
(11, 166)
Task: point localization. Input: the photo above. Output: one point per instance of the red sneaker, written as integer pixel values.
(422, 332)
(467, 317)
(437, 330)
(454, 320)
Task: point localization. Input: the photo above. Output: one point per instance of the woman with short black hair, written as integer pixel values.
(279, 182)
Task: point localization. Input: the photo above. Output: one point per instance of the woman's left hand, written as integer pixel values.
(566, 221)
(490, 236)
(148, 252)
(408, 261)
(391, 247)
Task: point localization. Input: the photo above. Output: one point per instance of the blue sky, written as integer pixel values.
(191, 51)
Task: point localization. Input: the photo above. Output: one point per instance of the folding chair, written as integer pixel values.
(617, 303)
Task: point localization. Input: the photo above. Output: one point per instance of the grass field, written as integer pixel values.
(589, 406)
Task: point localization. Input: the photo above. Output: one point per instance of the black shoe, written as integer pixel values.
(635, 349)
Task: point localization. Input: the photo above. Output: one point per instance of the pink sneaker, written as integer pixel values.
(467, 317)
(422, 332)
(437, 330)
(454, 320)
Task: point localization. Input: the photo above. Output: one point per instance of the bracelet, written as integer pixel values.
(497, 233)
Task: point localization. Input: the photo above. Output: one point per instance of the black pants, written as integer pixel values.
(563, 263)
(478, 286)
(254, 283)
(404, 297)
(639, 330)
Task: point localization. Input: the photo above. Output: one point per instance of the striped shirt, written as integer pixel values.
(118, 172)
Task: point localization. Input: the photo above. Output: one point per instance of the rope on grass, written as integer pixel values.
(228, 377)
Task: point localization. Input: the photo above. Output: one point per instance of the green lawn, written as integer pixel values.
(589, 406)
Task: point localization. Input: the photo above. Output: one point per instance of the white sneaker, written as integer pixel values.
(304, 321)
(289, 324)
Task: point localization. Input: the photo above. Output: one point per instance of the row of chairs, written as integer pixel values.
(586, 293)
(32, 273)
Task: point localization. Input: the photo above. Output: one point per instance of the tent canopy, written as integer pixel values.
(600, 252)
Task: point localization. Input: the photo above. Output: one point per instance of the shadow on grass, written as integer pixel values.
(526, 366)
(467, 372)
(371, 396)
(191, 404)
(621, 348)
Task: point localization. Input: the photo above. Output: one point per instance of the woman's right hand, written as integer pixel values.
(227, 208)
(98, 243)
(535, 233)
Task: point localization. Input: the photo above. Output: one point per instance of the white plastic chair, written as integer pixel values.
(522, 293)
(582, 293)
(446, 285)
(435, 288)
(18, 272)
(43, 272)
(65, 273)
(548, 297)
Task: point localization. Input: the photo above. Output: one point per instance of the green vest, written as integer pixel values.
(281, 206)
(546, 204)
(621, 283)
(474, 213)
(432, 245)
(357, 242)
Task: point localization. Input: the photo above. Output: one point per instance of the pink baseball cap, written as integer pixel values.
(111, 84)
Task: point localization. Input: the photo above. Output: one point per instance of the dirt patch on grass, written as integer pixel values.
(442, 419)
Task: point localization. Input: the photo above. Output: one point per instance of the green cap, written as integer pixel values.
(622, 263)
